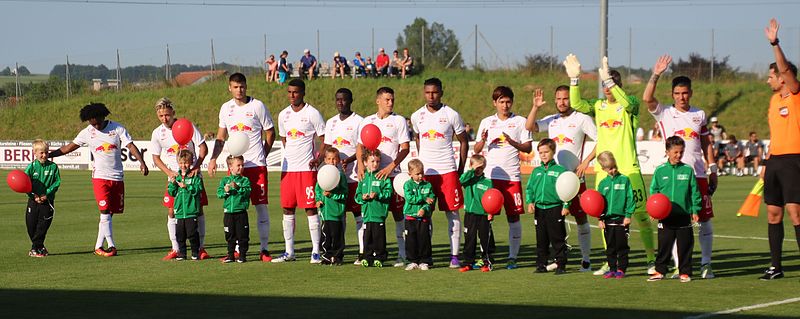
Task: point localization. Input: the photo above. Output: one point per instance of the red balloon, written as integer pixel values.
(371, 136)
(659, 206)
(593, 203)
(19, 181)
(492, 201)
(182, 131)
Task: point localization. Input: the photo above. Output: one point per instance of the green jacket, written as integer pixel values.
(333, 206)
(45, 179)
(618, 193)
(187, 199)
(416, 195)
(374, 210)
(474, 187)
(541, 188)
(679, 184)
(236, 200)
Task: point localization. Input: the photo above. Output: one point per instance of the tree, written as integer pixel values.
(699, 67)
(22, 70)
(538, 63)
(441, 44)
(6, 71)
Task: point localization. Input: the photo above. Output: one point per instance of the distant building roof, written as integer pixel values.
(196, 77)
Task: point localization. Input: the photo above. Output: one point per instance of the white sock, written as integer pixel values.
(201, 229)
(675, 253)
(316, 234)
(514, 239)
(454, 230)
(360, 232)
(101, 234)
(288, 233)
(107, 229)
(585, 240)
(173, 238)
(706, 237)
(262, 217)
(399, 229)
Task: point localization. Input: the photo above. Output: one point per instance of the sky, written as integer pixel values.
(40, 34)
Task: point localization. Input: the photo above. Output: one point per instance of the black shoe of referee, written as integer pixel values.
(772, 273)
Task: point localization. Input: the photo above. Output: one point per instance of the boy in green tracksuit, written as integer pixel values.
(676, 180)
(234, 190)
(418, 207)
(45, 180)
(548, 209)
(373, 195)
(186, 190)
(616, 218)
(331, 207)
(476, 220)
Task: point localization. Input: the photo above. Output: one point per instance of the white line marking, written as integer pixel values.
(717, 236)
(745, 308)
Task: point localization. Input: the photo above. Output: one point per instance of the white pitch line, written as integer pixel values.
(745, 308)
(717, 236)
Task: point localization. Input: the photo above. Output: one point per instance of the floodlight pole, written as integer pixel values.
(603, 41)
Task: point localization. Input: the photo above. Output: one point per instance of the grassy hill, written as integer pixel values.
(35, 78)
(741, 105)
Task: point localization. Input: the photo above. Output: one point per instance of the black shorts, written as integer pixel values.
(749, 158)
(782, 180)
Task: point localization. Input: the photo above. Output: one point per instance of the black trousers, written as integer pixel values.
(375, 242)
(187, 229)
(550, 230)
(617, 248)
(333, 240)
(237, 231)
(418, 240)
(38, 219)
(670, 230)
(477, 226)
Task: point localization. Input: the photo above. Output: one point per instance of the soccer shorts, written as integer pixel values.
(447, 189)
(782, 180)
(258, 184)
(706, 209)
(351, 204)
(575, 208)
(512, 195)
(110, 195)
(397, 202)
(637, 183)
(297, 189)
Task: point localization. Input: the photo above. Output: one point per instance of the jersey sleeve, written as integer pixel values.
(197, 137)
(589, 128)
(654, 188)
(414, 119)
(155, 146)
(524, 135)
(328, 137)
(124, 137)
(221, 117)
(629, 102)
(479, 133)
(544, 123)
(319, 124)
(577, 102)
(281, 127)
(629, 202)
(82, 139)
(658, 111)
(457, 122)
(265, 117)
(402, 136)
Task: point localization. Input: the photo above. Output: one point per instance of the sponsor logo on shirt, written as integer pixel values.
(240, 127)
(295, 134)
(432, 135)
(682, 177)
(687, 134)
(611, 124)
(783, 111)
(500, 141)
(106, 148)
(340, 141)
(619, 187)
(561, 140)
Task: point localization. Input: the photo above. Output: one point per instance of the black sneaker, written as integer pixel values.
(541, 269)
(772, 273)
(585, 266)
(180, 257)
(560, 271)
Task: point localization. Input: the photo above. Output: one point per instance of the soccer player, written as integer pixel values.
(781, 187)
(435, 124)
(245, 114)
(105, 140)
(394, 148)
(569, 130)
(341, 133)
(688, 122)
(162, 143)
(617, 118)
(298, 124)
(504, 136)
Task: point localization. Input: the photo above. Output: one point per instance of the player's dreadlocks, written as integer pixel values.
(94, 111)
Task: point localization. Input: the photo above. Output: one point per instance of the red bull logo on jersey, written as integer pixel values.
(295, 134)
(240, 127)
(500, 140)
(432, 135)
(106, 148)
(339, 142)
(385, 139)
(175, 148)
(687, 134)
(561, 140)
(610, 124)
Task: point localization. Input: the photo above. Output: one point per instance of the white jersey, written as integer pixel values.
(343, 135)
(164, 145)
(299, 128)
(394, 131)
(691, 126)
(250, 119)
(569, 133)
(106, 147)
(436, 130)
(502, 159)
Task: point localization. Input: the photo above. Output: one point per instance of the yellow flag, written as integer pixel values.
(753, 201)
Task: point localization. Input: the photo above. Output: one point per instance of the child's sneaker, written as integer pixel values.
(241, 259)
(675, 274)
(465, 269)
(44, 252)
(602, 271)
(478, 264)
(180, 257)
(540, 269)
(377, 264)
(204, 254)
(32, 253)
(365, 263)
(454, 262)
(424, 266)
(412, 266)
(620, 274)
(486, 268)
(358, 262)
(772, 273)
(399, 263)
(585, 266)
(195, 258)
(656, 277)
(610, 274)
(511, 264)
(560, 271)
(651, 267)
(315, 259)
(227, 259)
(283, 258)
(706, 272)
(552, 267)
(170, 255)
(265, 257)
(685, 278)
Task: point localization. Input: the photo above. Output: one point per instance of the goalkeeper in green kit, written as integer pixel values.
(617, 118)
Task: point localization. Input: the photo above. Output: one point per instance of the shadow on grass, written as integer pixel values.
(90, 304)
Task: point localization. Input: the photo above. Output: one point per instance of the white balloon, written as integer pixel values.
(328, 177)
(398, 183)
(567, 186)
(237, 143)
(568, 160)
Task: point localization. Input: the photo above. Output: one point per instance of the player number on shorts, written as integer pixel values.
(310, 192)
(517, 199)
